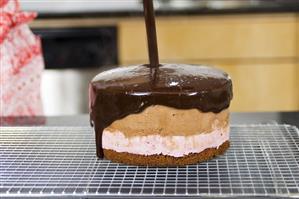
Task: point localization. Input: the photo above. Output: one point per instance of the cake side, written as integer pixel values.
(168, 134)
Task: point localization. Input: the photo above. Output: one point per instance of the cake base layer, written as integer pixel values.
(164, 160)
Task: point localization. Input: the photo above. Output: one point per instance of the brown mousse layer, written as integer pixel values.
(167, 121)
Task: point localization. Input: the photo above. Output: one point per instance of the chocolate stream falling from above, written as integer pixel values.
(150, 24)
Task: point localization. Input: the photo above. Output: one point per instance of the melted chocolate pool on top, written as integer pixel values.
(116, 93)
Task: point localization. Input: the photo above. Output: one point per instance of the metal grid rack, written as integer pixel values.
(263, 160)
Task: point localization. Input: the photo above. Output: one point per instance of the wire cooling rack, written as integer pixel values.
(263, 160)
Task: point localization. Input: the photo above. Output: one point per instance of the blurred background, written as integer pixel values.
(256, 42)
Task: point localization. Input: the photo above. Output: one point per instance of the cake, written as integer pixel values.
(172, 115)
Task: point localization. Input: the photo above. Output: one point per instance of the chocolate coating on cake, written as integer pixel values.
(116, 93)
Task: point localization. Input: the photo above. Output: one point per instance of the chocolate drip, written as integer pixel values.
(119, 92)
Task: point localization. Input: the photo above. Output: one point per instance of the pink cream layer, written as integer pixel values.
(176, 146)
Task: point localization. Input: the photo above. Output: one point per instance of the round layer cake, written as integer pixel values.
(172, 115)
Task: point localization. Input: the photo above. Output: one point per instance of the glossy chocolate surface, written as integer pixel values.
(117, 93)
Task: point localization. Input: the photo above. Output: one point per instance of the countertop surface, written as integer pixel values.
(291, 118)
(133, 8)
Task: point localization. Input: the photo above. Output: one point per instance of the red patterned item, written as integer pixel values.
(21, 62)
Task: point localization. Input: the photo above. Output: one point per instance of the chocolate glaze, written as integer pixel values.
(117, 93)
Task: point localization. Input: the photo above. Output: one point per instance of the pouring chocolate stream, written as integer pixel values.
(150, 24)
